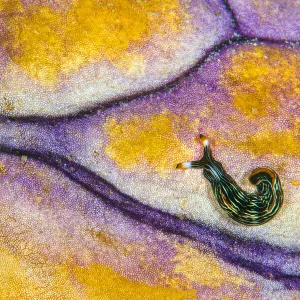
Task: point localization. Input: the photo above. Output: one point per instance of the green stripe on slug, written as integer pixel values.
(246, 208)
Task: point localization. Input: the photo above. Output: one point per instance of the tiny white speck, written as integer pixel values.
(206, 142)
(187, 165)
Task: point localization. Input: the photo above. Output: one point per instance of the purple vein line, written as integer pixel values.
(256, 256)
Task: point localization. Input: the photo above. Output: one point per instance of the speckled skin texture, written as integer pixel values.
(91, 132)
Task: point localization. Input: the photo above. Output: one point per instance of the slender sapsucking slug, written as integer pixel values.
(246, 208)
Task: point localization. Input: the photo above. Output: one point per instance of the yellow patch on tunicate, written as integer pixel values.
(203, 268)
(131, 63)
(106, 239)
(262, 77)
(15, 283)
(48, 42)
(20, 281)
(103, 283)
(10, 6)
(152, 141)
(268, 142)
(2, 168)
(37, 199)
(6, 105)
(295, 182)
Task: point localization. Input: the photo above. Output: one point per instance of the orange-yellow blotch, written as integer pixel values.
(9, 7)
(15, 283)
(22, 280)
(3, 169)
(261, 78)
(148, 143)
(49, 43)
(103, 283)
(266, 142)
(204, 269)
(269, 142)
(295, 182)
(107, 239)
(6, 105)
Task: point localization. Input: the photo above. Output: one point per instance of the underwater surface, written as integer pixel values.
(100, 101)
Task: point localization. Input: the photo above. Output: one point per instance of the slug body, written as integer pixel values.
(246, 208)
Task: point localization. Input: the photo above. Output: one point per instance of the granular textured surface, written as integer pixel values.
(99, 102)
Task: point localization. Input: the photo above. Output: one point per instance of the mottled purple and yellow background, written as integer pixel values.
(99, 101)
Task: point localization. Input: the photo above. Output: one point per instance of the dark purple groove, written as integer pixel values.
(234, 19)
(236, 39)
(256, 256)
(236, 24)
(93, 109)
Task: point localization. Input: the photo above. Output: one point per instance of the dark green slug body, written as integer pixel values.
(246, 208)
